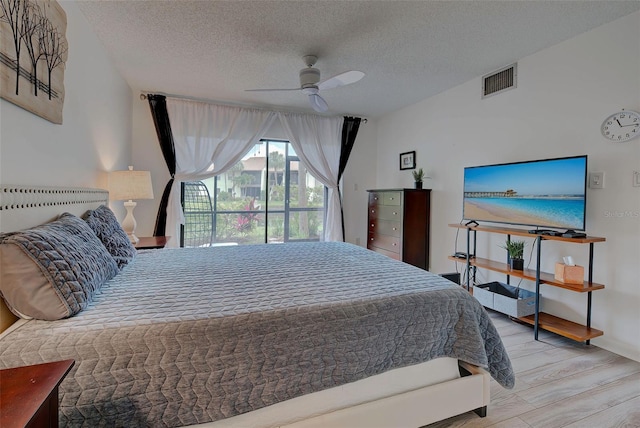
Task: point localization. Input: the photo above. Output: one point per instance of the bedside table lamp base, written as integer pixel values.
(129, 222)
(128, 186)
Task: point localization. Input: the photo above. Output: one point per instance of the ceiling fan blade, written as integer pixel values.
(342, 79)
(318, 103)
(271, 90)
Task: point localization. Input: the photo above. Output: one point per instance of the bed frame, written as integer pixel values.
(27, 206)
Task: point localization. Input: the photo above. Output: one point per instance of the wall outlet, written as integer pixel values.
(636, 178)
(596, 180)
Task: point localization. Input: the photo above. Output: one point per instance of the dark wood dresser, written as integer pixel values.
(399, 224)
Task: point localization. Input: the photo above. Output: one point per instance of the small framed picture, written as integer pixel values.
(408, 160)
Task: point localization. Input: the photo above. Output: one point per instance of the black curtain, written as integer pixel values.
(349, 132)
(158, 105)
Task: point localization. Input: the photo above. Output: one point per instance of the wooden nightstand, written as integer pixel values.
(151, 242)
(29, 394)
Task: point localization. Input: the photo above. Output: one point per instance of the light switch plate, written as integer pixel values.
(596, 180)
(636, 178)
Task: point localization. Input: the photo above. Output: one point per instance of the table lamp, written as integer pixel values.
(127, 186)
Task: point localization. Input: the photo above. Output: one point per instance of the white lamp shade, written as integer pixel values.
(130, 185)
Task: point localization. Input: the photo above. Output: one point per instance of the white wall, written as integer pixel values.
(359, 176)
(563, 95)
(95, 136)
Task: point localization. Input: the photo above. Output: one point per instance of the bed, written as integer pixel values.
(300, 335)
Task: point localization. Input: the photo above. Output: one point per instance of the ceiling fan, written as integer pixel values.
(310, 83)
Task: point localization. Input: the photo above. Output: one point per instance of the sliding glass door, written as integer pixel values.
(268, 196)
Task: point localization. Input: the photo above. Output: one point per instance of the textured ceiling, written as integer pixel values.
(409, 50)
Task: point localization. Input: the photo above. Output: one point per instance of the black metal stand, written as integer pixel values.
(470, 269)
(537, 313)
(508, 261)
(589, 293)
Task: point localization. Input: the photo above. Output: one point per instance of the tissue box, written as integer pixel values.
(569, 274)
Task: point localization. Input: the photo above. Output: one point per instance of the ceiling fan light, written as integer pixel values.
(309, 76)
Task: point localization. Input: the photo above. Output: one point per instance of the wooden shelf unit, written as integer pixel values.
(529, 274)
(570, 329)
(540, 320)
(521, 232)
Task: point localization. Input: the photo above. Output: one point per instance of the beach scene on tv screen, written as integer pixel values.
(548, 193)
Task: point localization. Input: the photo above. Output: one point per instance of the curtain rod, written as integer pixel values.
(143, 96)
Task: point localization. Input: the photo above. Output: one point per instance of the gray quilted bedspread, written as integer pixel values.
(185, 336)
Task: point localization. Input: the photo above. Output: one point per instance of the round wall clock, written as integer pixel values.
(621, 126)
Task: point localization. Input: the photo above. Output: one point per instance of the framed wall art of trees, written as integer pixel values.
(33, 53)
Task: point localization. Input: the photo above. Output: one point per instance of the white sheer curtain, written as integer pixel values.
(317, 141)
(209, 139)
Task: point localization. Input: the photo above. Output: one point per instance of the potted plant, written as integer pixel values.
(418, 176)
(515, 249)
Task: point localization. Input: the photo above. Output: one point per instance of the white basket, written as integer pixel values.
(501, 297)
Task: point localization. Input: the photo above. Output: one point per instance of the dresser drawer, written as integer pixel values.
(373, 213)
(385, 198)
(375, 198)
(386, 242)
(390, 254)
(389, 213)
(391, 198)
(385, 227)
(382, 212)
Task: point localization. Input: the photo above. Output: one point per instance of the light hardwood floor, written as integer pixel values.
(559, 383)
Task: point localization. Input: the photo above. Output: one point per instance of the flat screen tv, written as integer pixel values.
(549, 193)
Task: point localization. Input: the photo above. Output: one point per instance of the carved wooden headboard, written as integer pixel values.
(22, 207)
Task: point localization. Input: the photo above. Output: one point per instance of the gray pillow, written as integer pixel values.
(52, 271)
(105, 225)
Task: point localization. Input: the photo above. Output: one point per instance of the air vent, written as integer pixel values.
(499, 81)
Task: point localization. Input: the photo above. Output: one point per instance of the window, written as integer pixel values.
(268, 196)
